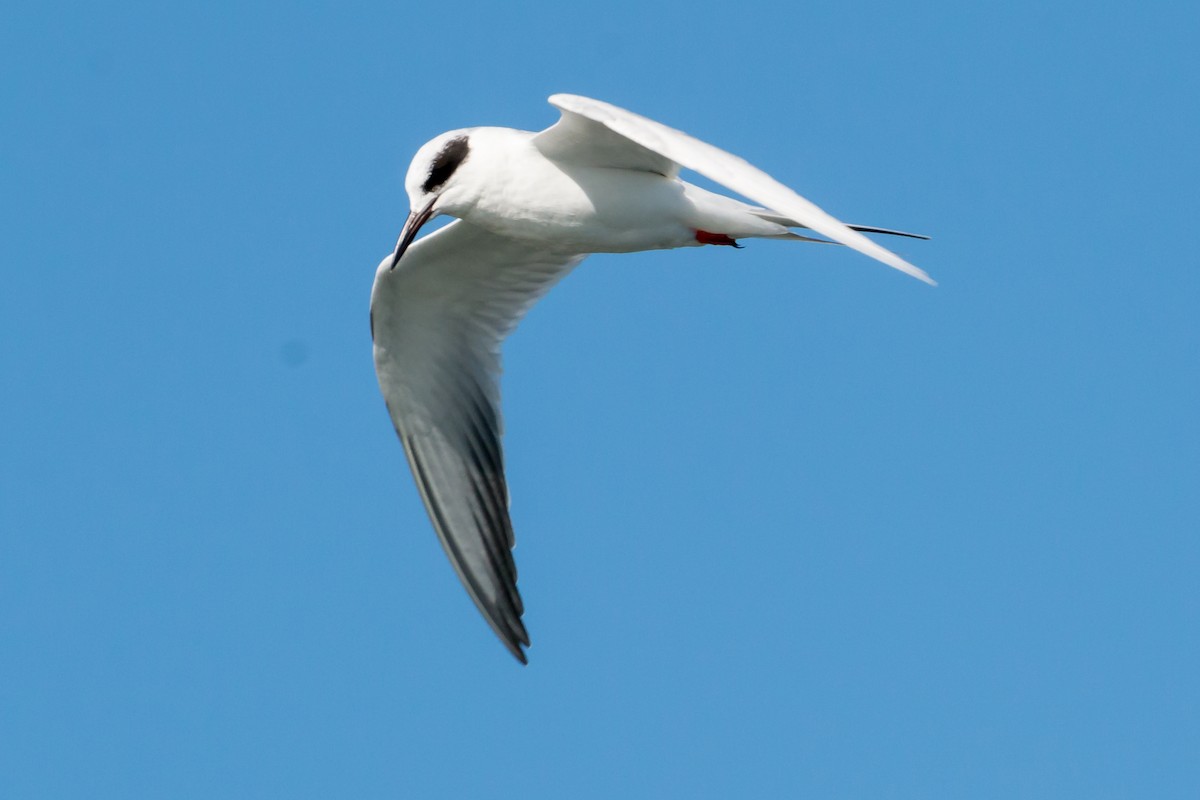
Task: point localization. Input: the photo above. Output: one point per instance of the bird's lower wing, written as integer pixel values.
(711, 162)
(437, 321)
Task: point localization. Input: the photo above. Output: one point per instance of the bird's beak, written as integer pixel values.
(409, 232)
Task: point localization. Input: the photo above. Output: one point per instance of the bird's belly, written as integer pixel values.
(588, 210)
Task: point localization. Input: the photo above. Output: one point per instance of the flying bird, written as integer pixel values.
(529, 207)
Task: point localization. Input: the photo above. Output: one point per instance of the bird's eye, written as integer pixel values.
(444, 164)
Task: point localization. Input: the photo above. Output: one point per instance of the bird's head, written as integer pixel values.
(433, 184)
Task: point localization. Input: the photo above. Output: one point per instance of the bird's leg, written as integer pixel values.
(704, 237)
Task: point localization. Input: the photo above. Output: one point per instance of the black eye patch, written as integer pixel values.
(448, 160)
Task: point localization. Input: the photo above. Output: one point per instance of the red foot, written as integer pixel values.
(704, 237)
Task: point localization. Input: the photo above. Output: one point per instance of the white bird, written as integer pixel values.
(529, 207)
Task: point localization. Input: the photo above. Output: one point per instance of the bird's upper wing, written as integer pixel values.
(437, 321)
(581, 138)
(591, 132)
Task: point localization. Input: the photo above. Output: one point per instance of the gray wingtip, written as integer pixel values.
(921, 275)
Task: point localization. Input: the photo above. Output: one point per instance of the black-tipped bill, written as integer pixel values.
(409, 232)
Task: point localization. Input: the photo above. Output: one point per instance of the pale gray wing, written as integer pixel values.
(437, 321)
(578, 139)
(571, 145)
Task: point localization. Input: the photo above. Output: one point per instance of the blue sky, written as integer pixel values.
(790, 524)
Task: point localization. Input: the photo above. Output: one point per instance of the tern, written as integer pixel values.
(528, 207)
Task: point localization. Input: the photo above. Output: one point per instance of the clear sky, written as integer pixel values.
(790, 524)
